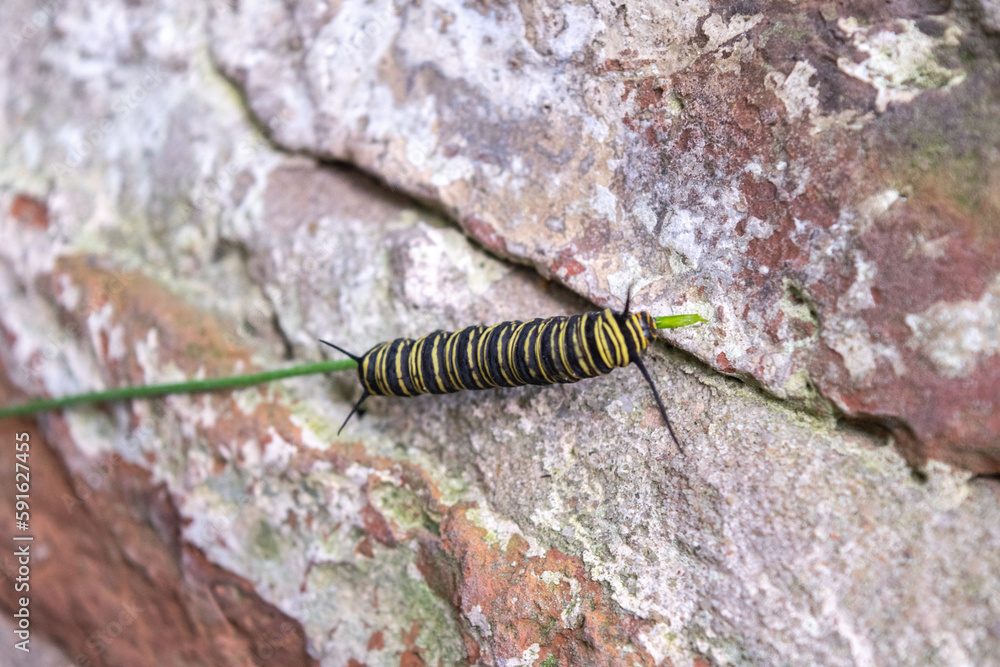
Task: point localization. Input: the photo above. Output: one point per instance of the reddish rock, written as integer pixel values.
(111, 580)
(511, 601)
(29, 211)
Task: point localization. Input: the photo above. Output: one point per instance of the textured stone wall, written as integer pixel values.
(191, 191)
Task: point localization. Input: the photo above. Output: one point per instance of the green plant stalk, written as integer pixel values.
(188, 387)
(676, 321)
(234, 381)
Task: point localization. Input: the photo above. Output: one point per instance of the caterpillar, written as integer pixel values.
(509, 354)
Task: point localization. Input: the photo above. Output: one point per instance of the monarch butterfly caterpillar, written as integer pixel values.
(511, 354)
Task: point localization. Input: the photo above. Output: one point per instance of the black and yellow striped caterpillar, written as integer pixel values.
(509, 354)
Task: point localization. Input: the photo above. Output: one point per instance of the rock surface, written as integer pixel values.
(817, 182)
(820, 179)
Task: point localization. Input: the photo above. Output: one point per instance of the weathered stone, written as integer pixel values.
(539, 525)
(120, 587)
(821, 181)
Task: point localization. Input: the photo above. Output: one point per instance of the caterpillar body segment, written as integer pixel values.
(509, 354)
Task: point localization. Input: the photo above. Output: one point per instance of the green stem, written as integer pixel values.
(675, 321)
(235, 381)
(189, 387)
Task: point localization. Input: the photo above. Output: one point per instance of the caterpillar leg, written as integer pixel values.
(659, 403)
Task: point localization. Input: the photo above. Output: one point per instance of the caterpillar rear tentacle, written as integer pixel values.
(509, 354)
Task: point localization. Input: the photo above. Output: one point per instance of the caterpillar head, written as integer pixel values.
(646, 324)
(639, 327)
